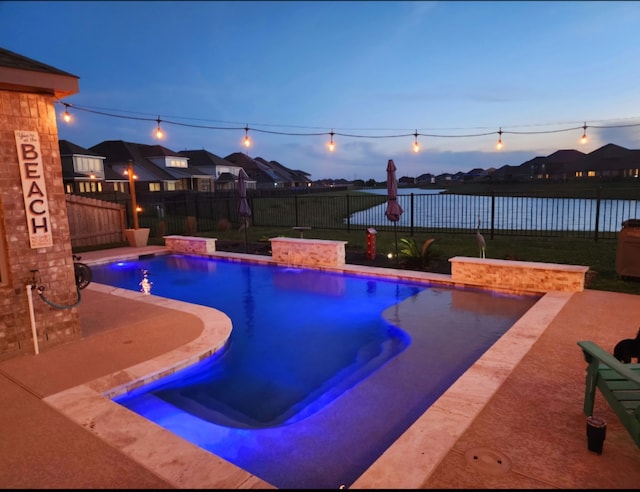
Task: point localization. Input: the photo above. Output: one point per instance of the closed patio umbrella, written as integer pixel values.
(243, 208)
(394, 210)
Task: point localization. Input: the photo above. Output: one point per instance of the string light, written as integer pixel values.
(583, 140)
(332, 145)
(66, 116)
(159, 133)
(416, 145)
(247, 141)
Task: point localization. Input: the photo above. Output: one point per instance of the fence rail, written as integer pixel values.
(94, 222)
(496, 214)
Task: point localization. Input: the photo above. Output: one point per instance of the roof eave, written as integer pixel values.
(13, 79)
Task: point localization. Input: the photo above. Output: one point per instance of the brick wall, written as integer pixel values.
(54, 264)
(307, 252)
(518, 276)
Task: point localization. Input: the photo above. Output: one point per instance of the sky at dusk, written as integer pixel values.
(374, 73)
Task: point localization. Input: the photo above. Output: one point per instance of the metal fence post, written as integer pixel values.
(412, 211)
(597, 224)
(493, 211)
(348, 214)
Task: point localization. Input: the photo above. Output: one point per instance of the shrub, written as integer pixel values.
(223, 225)
(413, 256)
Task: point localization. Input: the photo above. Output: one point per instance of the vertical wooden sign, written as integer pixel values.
(34, 189)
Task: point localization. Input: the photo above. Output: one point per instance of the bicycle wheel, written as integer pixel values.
(83, 274)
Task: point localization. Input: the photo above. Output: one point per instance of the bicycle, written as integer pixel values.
(82, 272)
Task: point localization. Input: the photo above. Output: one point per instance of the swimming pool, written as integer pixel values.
(332, 435)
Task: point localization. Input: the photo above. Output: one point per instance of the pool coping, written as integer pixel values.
(408, 463)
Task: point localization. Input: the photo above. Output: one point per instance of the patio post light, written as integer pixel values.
(132, 191)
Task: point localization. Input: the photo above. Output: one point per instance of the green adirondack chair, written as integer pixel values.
(619, 384)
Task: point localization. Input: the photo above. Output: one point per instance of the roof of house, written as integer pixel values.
(256, 170)
(117, 155)
(69, 148)
(204, 158)
(23, 74)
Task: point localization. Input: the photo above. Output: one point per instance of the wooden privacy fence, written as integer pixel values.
(95, 222)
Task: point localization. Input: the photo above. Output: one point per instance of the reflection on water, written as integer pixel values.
(145, 283)
(308, 280)
(487, 303)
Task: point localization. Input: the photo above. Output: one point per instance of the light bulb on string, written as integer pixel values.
(159, 133)
(416, 145)
(583, 140)
(499, 144)
(246, 141)
(66, 116)
(332, 145)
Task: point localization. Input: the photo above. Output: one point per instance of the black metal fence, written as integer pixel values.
(187, 212)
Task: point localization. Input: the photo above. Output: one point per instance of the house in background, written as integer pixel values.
(289, 178)
(426, 178)
(609, 161)
(101, 168)
(255, 171)
(82, 169)
(225, 172)
(156, 167)
(559, 166)
(510, 173)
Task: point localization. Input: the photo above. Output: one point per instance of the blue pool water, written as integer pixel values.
(316, 381)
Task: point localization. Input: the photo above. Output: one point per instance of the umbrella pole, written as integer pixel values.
(395, 232)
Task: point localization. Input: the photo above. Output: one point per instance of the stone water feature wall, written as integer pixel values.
(308, 252)
(190, 244)
(520, 276)
(284, 250)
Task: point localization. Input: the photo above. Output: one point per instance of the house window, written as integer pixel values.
(177, 163)
(118, 186)
(90, 186)
(154, 186)
(88, 165)
(170, 186)
(578, 174)
(591, 174)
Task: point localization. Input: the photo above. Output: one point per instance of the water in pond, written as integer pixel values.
(323, 371)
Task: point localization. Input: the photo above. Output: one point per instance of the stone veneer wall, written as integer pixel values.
(190, 244)
(54, 264)
(309, 252)
(527, 276)
(284, 250)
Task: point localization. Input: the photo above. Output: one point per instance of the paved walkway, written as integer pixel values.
(533, 425)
